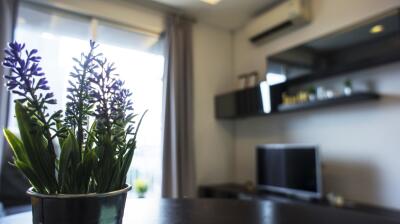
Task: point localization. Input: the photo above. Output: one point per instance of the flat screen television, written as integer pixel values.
(289, 169)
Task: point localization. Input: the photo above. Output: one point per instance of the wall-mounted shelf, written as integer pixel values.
(335, 101)
(251, 103)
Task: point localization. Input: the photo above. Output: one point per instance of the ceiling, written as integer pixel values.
(228, 14)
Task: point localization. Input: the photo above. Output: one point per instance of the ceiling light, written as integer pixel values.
(211, 2)
(376, 29)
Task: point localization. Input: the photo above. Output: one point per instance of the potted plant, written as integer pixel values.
(77, 160)
(141, 187)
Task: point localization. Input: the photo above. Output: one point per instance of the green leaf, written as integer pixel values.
(127, 160)
(91, 137)
(35, 146)
(85, 170)
(114, 180)
(106, 163)
(16, 146)
(30, 174)
(138, 126)
(60, 129)
(69, 160)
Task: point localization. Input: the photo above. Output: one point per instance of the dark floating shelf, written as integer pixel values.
(355, 97)
(252, 104)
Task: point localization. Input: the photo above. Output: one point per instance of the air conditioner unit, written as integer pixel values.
(286, 16)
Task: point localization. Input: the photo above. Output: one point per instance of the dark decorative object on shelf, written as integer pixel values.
(258, 100)
(348, 87)
(248, 80)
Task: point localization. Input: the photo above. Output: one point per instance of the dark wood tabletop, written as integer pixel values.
(220, 211)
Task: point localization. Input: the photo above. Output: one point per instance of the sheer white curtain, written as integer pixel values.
(141, 65)
(58, 37)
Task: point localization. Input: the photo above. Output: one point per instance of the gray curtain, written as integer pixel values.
(8, 18)
(178, 153)
(12, 184)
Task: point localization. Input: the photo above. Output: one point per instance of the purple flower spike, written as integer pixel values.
(25, 70)
(27, 81)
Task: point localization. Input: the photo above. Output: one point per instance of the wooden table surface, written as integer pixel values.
(220, 211)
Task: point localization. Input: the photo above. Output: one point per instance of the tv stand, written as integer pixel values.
(242, 192)
(238, 191)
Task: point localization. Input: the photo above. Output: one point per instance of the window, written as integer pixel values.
(59, 36)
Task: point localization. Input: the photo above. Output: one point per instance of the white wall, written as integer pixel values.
(213, 57)
(360, 143)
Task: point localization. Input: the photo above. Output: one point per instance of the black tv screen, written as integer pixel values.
(291, 169)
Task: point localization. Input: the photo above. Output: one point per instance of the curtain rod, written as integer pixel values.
(119, 24)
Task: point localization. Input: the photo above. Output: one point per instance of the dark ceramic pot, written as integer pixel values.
(105, 208)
